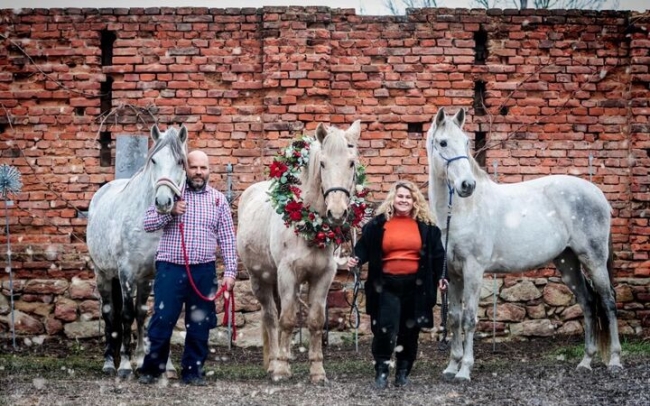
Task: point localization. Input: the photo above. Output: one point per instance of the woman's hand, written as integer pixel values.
(443, 284)
(352, 262)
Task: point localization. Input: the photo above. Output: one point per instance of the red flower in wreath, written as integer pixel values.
(359, 211)
(277, 169)
(293, 206)
(296, 191)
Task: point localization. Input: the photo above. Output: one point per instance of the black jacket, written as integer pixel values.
(368, 249)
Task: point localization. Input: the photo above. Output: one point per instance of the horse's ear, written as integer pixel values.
(182, 135)
(459, 118)
(440, 117)
(155, 133)
(353, 133)
(321, 132)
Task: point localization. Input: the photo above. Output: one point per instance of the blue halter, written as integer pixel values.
(449, 161)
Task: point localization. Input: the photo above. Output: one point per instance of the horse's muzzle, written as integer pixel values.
(466, 188)
(337, 220)
(164, 204)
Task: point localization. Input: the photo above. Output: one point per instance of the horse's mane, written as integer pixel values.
(313, 166)
(478, 172)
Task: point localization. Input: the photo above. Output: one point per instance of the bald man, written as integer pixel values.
(203, 215)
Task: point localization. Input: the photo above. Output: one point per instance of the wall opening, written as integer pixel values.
(414, 128)
(480, 46)
(479, 148)
(479, 98)
(106, 95)
(108, 39)
(105, 148)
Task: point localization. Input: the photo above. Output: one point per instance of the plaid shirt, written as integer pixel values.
(207, 223)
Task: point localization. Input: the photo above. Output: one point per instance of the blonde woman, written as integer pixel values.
(405, 254)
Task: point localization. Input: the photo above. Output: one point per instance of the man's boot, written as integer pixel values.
(402, 371)
(381, 375)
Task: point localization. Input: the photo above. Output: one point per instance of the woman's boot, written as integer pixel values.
(402, 371)
(381, 375)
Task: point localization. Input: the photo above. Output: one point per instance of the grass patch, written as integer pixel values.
(48, 367)
(629, 346)
(635, 347)
(300, 369)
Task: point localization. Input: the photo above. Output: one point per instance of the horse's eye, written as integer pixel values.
(443, 143)
(153, 161)
(180, 162)
(322, 165)
(352, 164)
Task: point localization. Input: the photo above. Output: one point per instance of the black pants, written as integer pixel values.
(394, 328)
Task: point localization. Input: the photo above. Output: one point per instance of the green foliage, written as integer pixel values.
(635, 347)
(49, 367)
(630, 346)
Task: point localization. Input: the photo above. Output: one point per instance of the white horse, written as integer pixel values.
(279, 261)
(517, 227)
(122, 252)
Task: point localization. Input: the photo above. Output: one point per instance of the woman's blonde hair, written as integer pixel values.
(420, 209)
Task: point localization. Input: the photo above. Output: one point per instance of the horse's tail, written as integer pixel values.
(610, 263)
(600, 311)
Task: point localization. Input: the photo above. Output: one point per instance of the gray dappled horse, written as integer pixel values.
(278, 260)
(516, 227)
(122, 252)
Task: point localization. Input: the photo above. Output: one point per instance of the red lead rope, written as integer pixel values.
(229, 300)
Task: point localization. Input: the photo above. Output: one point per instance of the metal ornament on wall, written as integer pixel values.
(229, 195)
(10, 183)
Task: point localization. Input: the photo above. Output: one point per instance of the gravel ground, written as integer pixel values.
(520, 373)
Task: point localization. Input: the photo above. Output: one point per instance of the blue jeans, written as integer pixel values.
(171, 291)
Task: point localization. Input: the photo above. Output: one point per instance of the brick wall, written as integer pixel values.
(545, 91)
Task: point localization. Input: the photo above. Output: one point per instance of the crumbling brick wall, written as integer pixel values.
(546, 92)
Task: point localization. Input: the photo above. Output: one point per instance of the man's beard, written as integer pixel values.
(197, 183)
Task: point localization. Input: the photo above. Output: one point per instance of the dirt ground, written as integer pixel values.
(518, 373)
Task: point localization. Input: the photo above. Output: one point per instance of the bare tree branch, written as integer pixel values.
(544, 4)
(398, 7)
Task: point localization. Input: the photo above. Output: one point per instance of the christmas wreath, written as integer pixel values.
(286, 200)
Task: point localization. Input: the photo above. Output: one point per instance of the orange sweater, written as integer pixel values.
(401, 246)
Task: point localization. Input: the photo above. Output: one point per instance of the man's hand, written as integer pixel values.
(443, 284)
(179, 208)
(229, 283)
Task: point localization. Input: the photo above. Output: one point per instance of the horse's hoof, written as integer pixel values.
(172, 374)
(280, 376)
(615, 369)
(584, 368)
(447, 375)
(319, 380)
(124, 373)
(109, 370)
(460, 378)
